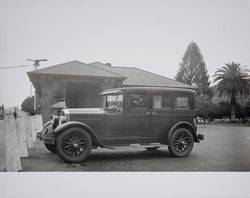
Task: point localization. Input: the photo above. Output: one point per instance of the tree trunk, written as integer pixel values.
(233, 106)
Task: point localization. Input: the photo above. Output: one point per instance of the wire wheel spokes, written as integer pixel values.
(74, 144)
(181, 142)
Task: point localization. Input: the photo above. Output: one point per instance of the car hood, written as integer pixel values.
(84, 111)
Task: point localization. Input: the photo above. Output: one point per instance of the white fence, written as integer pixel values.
(16, 137)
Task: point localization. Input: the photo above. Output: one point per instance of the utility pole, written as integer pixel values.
(36, 65)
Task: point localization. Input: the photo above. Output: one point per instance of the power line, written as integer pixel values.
(12, 67)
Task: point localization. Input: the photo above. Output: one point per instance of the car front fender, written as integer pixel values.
(61, 128)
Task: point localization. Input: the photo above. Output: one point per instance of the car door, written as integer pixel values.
(131, 124)
(161, 115)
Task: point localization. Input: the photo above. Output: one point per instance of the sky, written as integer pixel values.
(150, 34)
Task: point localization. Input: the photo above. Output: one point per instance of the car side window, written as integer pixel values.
(137, 100)
(114, 101)
(162, 101)
(181, 101)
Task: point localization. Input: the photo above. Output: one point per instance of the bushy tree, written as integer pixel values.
(246, 110)
(28, 105)
(224, 109)
(206, 109)
(193, 70)
(233, 80)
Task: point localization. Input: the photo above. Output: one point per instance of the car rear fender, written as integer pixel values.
(183, 124)
(60, 129)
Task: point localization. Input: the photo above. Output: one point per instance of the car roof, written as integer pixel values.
(122, 89)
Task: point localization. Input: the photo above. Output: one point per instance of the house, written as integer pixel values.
(78, 84)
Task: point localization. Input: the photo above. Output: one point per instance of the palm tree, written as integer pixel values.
(233, 80)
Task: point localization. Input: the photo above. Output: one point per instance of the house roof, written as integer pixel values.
(132, 76)
(77, 68)
(139, 77)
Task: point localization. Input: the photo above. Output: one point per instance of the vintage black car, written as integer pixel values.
(144, 117)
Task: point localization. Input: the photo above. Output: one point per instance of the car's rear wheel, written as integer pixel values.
(181, 142)
(152, 148)
(51, 147)
(74, 145)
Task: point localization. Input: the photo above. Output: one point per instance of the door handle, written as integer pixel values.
(147, 113)
(153, 113)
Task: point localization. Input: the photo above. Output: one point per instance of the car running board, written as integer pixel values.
(138, 146)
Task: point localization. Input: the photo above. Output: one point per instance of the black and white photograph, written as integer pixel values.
(129, 96)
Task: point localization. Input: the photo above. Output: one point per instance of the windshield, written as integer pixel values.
(114, 101)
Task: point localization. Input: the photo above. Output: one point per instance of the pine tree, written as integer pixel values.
(193, 70)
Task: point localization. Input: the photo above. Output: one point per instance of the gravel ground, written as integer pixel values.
(225, 148)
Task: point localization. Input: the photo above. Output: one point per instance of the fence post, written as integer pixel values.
(2, 112)
(21, 136)
(29, 131)
(37, 125)
(13, 162)
(2, 146)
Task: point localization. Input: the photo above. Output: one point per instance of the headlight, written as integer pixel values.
(55, 121)
(63, 116)
(52, 116)
(62, 119)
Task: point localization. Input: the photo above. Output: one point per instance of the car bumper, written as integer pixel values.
(47, 139)
(46, 135)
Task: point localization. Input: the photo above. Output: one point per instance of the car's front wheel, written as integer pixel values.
(74, 145)
(181, 142)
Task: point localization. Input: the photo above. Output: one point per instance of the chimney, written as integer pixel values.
(108, 64)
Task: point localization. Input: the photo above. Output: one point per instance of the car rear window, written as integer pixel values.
(181, 101)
